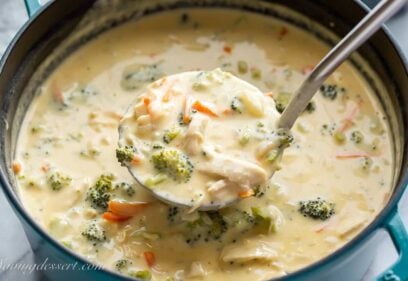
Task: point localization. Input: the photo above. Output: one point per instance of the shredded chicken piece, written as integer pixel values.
(241, 172)
(223, 190)
(196, 270)
(194, 137)
(250, 249)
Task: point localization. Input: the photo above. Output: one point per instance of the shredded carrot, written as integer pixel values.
(227, 111)
(45, 168)
(227, 49)
(186, 109)
(149, 258)
(136, 160)
(307, 69)
(167, 94)
(199, 106)
(56, 92)
(17, 167)
(126, 209)
(246, 193)
(269, 94)
(348, 121)
(282, 32)
(109, 216)
(147, 101)
(352, 156)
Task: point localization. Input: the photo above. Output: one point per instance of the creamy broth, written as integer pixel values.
(341, 152)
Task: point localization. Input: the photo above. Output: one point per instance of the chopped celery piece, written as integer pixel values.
(339, 137)
(242, 67)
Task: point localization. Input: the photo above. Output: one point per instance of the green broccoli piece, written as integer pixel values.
(126, 188)
(330, 91)
(144, 275)
(94, 233)
(318, 209)
(236, 105)
(98, 194)
(262, 220)
(57, 181)
(284, 136)
(242, 67)
(357, 137)
(282, 100)
(125, 154)
(170, 134)
(173, 163)
(122, 264)
(311, 107)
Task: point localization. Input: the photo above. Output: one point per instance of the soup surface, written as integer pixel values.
(335, 177)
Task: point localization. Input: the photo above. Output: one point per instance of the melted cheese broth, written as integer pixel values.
(71, 129)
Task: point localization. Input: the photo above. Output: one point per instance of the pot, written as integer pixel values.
(50, 24)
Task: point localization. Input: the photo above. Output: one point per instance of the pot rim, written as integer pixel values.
(376, 224)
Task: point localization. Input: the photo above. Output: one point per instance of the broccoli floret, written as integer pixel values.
(357, 137)
(94, 233)
(318, 209)
(170, 135)
(311, 107)
(144, 275)
(57, 181)
(236, 105)
(330, 91)
(98, 194)
(173, 163)
(126, 188)
(125, 154)
(122, 264)
(285, 137)
(282, 100)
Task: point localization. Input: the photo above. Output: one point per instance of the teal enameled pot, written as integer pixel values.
(50, 24)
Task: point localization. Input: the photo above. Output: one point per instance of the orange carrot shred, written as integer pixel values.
(167, 94)
(348, 121)
(352, 156)
(246, 193)
(45, 167)
(197, 105)
(269, 94)
(17, 167)
(227, 49)
(307, 69)
(109, 216)
(136, 160)
(186, 109)
(227, 111)
(282, 32)
(149, 258)
(126, 209)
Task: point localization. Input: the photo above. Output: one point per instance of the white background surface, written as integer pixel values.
(14, 247)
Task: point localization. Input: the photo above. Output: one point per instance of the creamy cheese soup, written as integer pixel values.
(334, 179)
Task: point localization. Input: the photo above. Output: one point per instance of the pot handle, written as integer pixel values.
(32, 6)
(399, 235)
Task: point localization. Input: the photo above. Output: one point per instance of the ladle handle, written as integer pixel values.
(354, 39)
